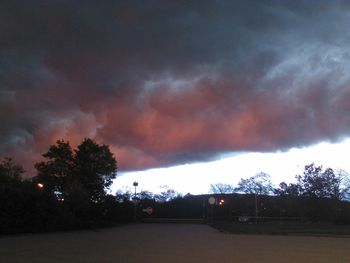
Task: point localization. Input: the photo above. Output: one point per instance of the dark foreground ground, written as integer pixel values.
(285, 228)
(167, 243)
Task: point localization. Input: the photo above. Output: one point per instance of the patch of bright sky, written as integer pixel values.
(196, 178)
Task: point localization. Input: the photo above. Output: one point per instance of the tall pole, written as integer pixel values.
(256, 208)
(135, 184)
(203, 209)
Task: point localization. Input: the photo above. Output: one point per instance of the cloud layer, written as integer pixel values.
(168, 82)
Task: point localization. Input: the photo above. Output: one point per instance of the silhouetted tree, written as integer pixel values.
(220, 188)
(258, 184)
(288, 189)
(344, 185)
(23, 206)
(95, 168)
(57, 170)
(166, 195)
(316, 182)
(145, 195)
(123, 196)
(87, 171)
(10, 170)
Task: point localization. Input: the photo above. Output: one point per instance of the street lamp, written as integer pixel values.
(135, 184)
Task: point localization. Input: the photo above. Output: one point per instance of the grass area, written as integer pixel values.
(276, 228)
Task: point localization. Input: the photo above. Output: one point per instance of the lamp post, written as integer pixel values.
(256, 207)
(135, 184)
(212, 202)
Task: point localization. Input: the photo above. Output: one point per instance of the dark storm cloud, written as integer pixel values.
(165, 82)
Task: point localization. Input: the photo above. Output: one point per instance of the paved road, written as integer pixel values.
(169, 243)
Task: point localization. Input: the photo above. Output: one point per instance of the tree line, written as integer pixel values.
(318, 194)
(71, 190)
(314, 182)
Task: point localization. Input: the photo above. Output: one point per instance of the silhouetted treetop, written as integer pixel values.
(89, 169)
(319, 183)
(316, 182)
(10, 170)
(95, 167)
(258, 184)
(221, 188)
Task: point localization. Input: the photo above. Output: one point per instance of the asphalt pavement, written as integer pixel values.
(169, 243)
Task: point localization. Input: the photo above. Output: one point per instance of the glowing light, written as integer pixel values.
(40, 185)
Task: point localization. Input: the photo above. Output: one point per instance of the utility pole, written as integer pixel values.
(256, 208)
(135, 184)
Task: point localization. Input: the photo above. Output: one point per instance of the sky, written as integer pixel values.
(182, 84)
(197, 178)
